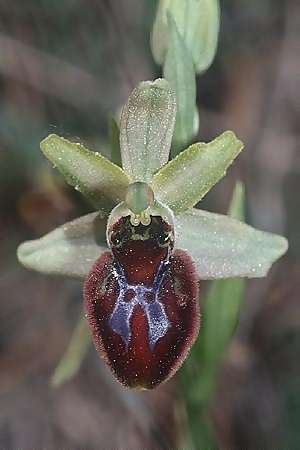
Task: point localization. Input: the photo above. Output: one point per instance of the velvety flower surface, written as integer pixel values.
(144, 251)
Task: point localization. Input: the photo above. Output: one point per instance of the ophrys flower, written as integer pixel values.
(144, 251)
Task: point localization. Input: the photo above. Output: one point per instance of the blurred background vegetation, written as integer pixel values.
(64, 66)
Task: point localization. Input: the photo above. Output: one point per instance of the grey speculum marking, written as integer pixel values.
(158, 322)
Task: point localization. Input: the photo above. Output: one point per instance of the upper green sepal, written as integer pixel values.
(185, 180)
(146, 129)
(101, 181)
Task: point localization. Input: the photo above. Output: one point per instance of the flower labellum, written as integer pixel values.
(142, 302)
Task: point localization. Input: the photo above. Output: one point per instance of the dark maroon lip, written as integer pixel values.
(142, 306)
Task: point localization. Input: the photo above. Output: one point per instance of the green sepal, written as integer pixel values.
(69, 250)
(103, 183)
(222, 247)
(185, 180)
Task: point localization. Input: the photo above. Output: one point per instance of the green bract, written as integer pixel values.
(184, 41)
(220, 246)
(179, 71)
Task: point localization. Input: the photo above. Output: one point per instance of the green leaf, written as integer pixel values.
(76, 351)
(114, 139)
(179, 71)
(198, 21)
(220, 317)
(186, 179)
(69, 250)
(101, 181)
(222, 247)
(146, 129)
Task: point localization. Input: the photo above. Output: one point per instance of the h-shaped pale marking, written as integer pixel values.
(158, 321)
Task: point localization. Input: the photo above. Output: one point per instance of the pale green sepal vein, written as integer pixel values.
(69, 250)
(185, 180)
(97, 178)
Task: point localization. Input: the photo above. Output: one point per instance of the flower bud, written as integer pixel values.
(198, 22)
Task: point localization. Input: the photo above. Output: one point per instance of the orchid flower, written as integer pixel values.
(144, 250)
